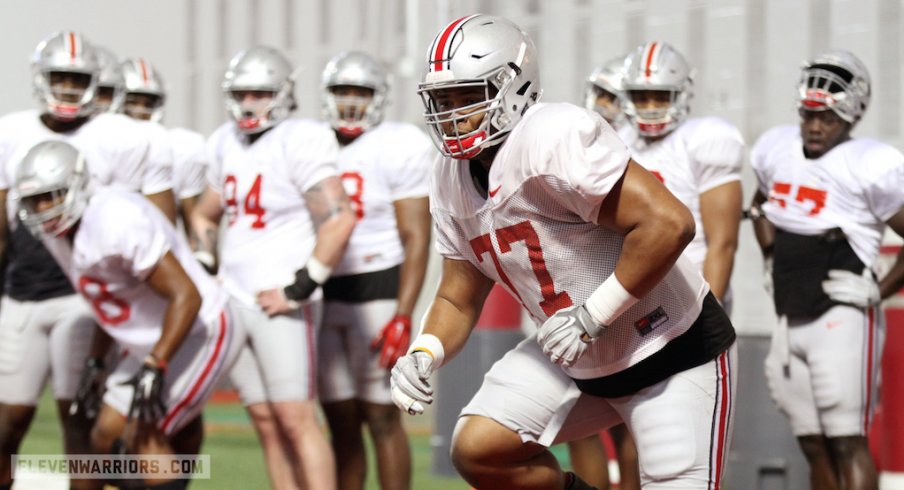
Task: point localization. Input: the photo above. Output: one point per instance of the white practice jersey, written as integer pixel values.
(385, 164)
(119, 241)
(700, 155)
(116, 148)
(856, 186)
(189, 163)
(536, 235)
(160, 154)
(270, 232)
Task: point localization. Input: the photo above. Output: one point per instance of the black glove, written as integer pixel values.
(147, 398)
(88, 396)
(303, 286)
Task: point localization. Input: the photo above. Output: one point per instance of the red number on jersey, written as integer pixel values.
(357, 190)
(552, 301)
(252, 201)
(109, 309)
(780, 190)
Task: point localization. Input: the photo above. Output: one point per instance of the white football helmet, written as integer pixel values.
(262, 69)
(835, 80)
(607, 77)
(65, 52)
(658, 66)
(360, 113)
(56, 168)
(109, 79)
(482, 51)
(140, 77)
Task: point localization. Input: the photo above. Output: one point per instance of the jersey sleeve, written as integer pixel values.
(189, 157)
(213, 174)
(408, 178)
(311, 152)
(578, 148)
(158, 164)
(141, 245)
(885, 173)
(718, 153)
(759, 162)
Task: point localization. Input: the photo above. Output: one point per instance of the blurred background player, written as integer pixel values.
(372, 291)
(604, 90)
(287, 223)
(823, 203)
(544, 200)
(170, 319)
(698, 159)
(45, 328)
(144, 94)
(109, 93)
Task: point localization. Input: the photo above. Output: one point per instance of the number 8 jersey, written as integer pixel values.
(535, 234)
(269, 232)
(856, 186)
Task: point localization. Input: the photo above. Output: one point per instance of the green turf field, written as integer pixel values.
(235, 457)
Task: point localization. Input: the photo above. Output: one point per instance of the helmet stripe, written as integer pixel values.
(144, 70)
(440, 46)
(73, 45)
(649, 62)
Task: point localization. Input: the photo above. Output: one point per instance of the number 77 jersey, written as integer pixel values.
(856, 186)
(535, 232)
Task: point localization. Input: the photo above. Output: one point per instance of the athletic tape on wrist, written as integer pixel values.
(609, 301)
(431, 345)
(318, 271)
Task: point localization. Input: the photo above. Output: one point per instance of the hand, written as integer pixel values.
(88, 396)
(408, 382)
(207, 261)
(567, 334)
(147, 398)
(392, 340)
(767, 276)
(859, 290)
(274, 302)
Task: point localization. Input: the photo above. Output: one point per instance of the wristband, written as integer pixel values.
(431, 345)
(318, 271)
(151, 360)
(609, 301)
(307, 280)
(205, 258)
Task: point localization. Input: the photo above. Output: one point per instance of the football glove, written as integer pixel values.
(859, 290)
(409, 384)
(88, 396)
(147, 398)
(567, 334)
(393, 340)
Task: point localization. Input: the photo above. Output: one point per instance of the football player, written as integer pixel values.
(45, 328)
(287, 223)
(171, 320)
(603, 91)
(372, 291)
(109, 93)
(823, 203)
(544, 200)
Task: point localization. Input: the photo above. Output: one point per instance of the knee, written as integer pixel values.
(847, 448)
(472, 451)
(384, 421)
(13, 426)
(103, 437)
(813, 447)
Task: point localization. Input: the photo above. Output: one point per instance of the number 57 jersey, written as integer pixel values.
(856, 186)
(535, 232)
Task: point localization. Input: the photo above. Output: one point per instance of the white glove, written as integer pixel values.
(408, 382)
(767, 276)
(853, 289)
(567, 334)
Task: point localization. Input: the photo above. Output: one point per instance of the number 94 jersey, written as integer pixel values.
(535, 234)
(270, 233)
(856, 186)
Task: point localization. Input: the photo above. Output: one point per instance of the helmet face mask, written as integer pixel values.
(604, 90)
(657, 66)
(263, 71)
(110, 91)
(836, 81)
(478, 54)
(145, 92)
(62, 56)
(51, 188)
(354, 88)
(142, 106)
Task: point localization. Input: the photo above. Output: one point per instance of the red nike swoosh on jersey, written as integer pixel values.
(494, 191)
(833, 324)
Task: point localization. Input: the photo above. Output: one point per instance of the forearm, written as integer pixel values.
(100, 343)
(649, 253)
(451, 325)
(178, 319)
(717, 267)
(411, 275)
(894, 279)
(166, 203)
(332, 238)
(203, 235)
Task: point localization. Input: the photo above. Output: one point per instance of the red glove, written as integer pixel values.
(394, 339)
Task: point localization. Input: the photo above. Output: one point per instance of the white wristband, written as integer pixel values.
(609, 301)
(318, 271)
(431, 345)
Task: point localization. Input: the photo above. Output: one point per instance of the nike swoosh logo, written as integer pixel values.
(494, 191)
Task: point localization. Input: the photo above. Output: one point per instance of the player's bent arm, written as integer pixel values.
(100, 343)
(204, 222)
(894, 279)
(166, 203)
(333, 219)
(763, 229)
(186, 206)
(171, 282)
(413, 218)
(720, 212)
(456, 307)
(656, 225)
